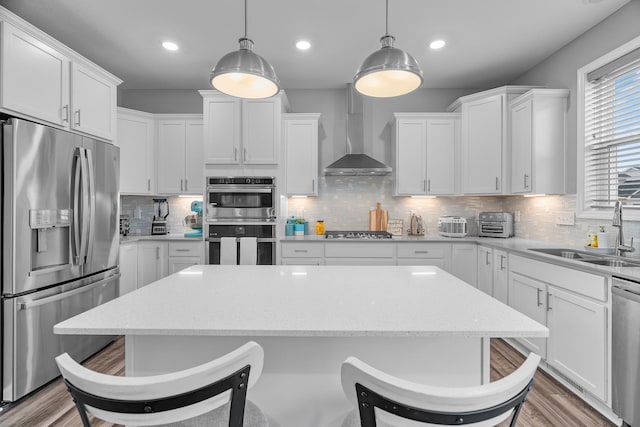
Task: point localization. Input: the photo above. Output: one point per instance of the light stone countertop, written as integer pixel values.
(161, 237)
(514, 245)
(303, 301)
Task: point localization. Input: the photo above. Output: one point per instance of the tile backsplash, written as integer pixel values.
(344, 203)
(141, 211)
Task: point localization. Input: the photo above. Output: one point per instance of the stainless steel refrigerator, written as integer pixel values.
(59, 246)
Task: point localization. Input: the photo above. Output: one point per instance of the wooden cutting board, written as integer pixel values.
(378, 219)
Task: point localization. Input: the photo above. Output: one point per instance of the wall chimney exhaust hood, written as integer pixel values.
(355, 162)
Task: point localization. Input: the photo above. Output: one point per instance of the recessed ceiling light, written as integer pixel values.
(303, 45)
(437, 44)
(169, 45)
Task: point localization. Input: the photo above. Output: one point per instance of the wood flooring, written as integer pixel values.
(548, 404)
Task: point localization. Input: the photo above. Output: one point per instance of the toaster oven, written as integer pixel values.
(495, 224)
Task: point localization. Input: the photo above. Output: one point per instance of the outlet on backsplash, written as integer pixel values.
(565, 218)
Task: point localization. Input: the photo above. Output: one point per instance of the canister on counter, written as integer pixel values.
(319, 227)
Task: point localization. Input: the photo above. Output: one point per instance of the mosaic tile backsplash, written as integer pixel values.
(141, 210)
(344, 203)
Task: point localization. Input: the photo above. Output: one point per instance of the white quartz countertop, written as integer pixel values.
(283, 300)
(160, 237)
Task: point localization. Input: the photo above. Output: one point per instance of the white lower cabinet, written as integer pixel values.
(572, 304)
(437, 254)
(577, 344)
(500, 276)
(528, 296)
(128, 267)
(301, 253)
(152, 262)
(184, 254)
(485, 270)
(357, 253)
(464, 260)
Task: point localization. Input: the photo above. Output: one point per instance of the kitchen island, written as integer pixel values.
(419, 323)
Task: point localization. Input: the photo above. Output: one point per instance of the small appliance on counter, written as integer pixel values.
(194, 220)
(452, 226)
(124, 225)
(160, 214)
(416, 226)
(495, 224)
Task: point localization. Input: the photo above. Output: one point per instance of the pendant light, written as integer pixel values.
(389, 71)
(244, 73)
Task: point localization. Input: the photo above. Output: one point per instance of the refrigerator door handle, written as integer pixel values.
(84, 241)
(91, 201)
(36, 303)
(75, 206)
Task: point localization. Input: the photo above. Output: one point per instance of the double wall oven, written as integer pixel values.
(243, 208)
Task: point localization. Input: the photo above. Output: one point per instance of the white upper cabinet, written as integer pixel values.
(35, 77)
(301, 154)
(411, 157)
(538, 139)
(241, 131)
(180, 155)
(424, 155)
(45, 81)
(137, 159)
(93, 103)
(485, 147)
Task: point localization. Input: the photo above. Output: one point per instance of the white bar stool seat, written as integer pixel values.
(212, 394)
(387, 401)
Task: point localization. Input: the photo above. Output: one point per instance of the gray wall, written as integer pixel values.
(161, 101)
(560, 69)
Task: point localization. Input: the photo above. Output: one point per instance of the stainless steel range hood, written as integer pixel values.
(355, 162)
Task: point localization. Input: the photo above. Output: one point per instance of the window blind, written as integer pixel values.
(612, 134)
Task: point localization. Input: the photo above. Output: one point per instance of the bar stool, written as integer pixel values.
(211, 394)
(396, 402)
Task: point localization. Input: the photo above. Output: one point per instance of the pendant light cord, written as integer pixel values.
(386, 28)
(245, 18)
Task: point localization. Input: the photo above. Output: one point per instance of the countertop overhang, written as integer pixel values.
(331, 301)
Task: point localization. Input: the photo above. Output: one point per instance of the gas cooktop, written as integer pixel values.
(358, 235)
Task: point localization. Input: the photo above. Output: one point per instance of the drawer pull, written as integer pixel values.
(420, 252)
(301, 250)
(182, 250)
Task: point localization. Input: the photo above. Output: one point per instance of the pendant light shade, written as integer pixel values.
(389, 71)
(244, 73)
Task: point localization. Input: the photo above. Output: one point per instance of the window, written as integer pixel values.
(611, 130)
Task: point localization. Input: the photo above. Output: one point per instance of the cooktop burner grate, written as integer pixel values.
(358, 235)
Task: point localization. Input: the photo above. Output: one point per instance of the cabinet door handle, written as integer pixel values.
(186, 184)
(501, 262)
(158, 252)
(181, 185)
(487, 260)
(149, 184)
(235, 154)
(78, 117)
(424, 185)
(428, 186)
(66, 113)
(497, 184)
(244, 158)
(549, 301)
(313, 185)
(538, 297)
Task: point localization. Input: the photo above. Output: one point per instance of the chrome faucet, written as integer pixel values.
(621, 248)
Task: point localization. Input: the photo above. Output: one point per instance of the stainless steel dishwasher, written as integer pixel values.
(626, 350)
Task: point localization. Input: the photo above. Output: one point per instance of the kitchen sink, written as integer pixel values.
(611, 262)
(566, 253)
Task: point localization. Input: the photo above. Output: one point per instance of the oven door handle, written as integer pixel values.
(240, 190)
(259, 239)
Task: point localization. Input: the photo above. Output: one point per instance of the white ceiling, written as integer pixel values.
(490, 42)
